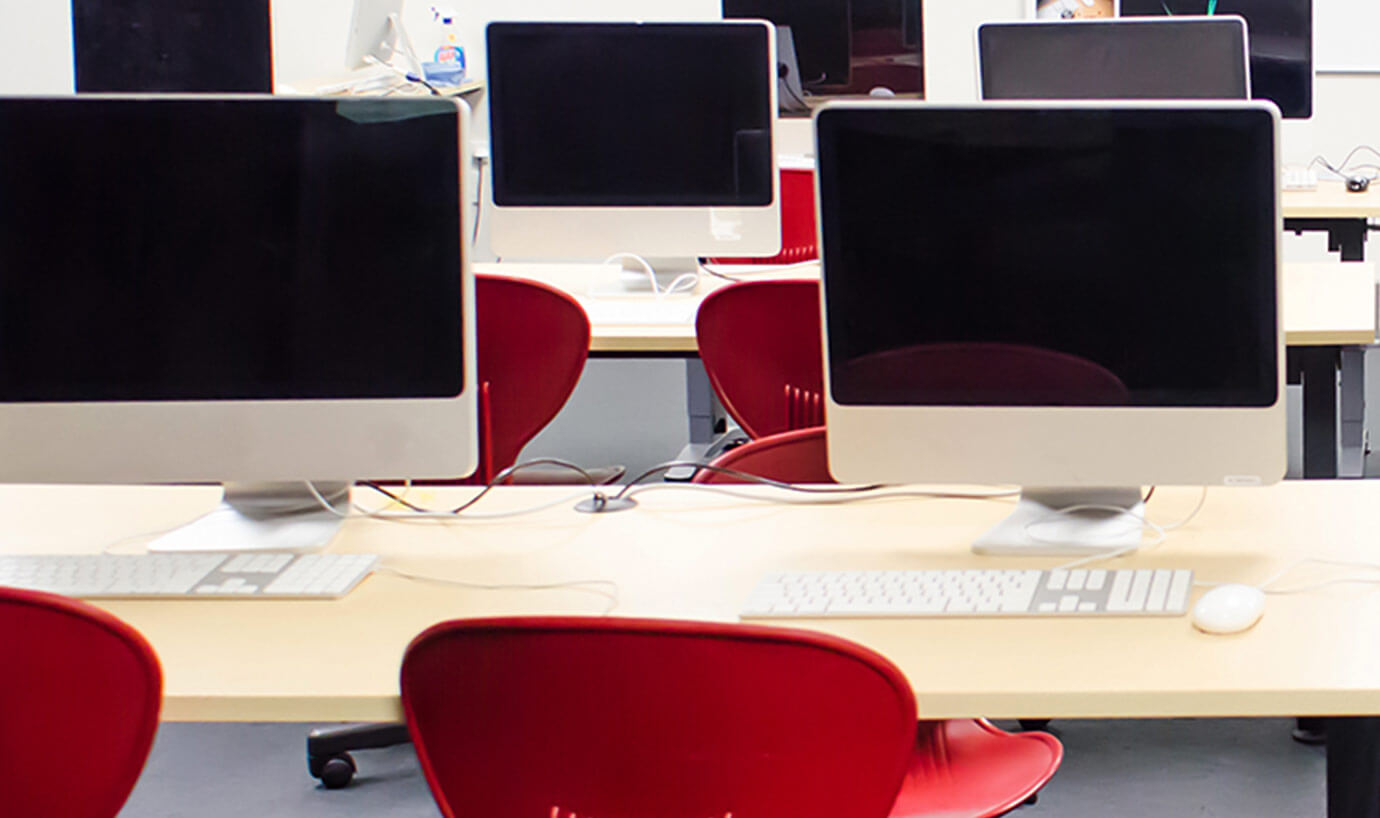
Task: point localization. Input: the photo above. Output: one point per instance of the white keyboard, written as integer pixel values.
(986, 592)
(1297, 178)
(192, 575)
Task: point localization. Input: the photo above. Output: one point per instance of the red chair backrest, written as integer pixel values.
(79, 698)
(979, 374)
(629, 718)
(532, 344)
(797, 456)
(760, 343)
(799, 233)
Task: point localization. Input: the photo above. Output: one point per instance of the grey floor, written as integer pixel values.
(1215, 768)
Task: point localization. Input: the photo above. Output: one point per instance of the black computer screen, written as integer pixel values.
(623, 114)
(215, 249)
(188, 45)
(1136, 245)
(1141, 59)
(821, 29)
(1281, 38)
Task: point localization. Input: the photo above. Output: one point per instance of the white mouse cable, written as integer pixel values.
(1281, 574)
(1161, 531)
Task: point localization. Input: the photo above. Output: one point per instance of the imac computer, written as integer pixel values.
(1140, 58)
(1281, 36)
(653, 139)
(821, 31)
(377, 36)
(1077, 298)
(192, 46)
(259, 291)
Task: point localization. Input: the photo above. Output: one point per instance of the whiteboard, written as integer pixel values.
(1346, 35)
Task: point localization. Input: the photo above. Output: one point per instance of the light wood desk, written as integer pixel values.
(691, 554)
(1332, 209)
(1325, 304)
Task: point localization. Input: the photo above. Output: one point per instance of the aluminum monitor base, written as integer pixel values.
(1037, 528)
(264, 517)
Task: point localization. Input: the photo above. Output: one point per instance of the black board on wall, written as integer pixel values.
(172, 45)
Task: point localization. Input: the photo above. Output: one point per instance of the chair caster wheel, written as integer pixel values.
(337, 771)
(1033, 724)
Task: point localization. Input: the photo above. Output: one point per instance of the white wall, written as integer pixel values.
(37, 55)
(308, 35)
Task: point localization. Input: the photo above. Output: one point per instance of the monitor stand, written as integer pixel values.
(1036, 529)
(264, 517)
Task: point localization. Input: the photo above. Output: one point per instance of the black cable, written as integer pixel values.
(497, 479)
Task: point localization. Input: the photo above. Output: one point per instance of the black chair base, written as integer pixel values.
(328, 749)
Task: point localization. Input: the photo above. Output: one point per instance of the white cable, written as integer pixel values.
(1161, 531)
(1282, 573)
(409, 515)
(834, 498)
(588, 586)
(685, 282)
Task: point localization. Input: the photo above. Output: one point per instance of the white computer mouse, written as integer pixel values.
(1228, 609)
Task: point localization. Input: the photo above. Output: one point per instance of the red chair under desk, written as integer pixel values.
(575, 717)
(80, 695)
(761, 347)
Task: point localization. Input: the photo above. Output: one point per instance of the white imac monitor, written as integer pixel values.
(255, 291)
(654, 139)
(376, 31)
(1130, 58)
(1077, 298)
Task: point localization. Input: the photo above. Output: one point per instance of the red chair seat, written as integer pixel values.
(969, 768)
(79, 701)
(760, 343)
(798, 456)
(573, 717)
(532, 342)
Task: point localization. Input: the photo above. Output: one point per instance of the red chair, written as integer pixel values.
(81, 692)
(532, 343)
(567, 717)
(990, 770)
(760, 343)
(799, 233)
(797, 456)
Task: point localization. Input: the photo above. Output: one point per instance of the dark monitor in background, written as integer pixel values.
(848, 47)
(191, 46)
(1052, 294)
(654, 139)
(1182, 58)
(820, 29)
(1281, 39)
